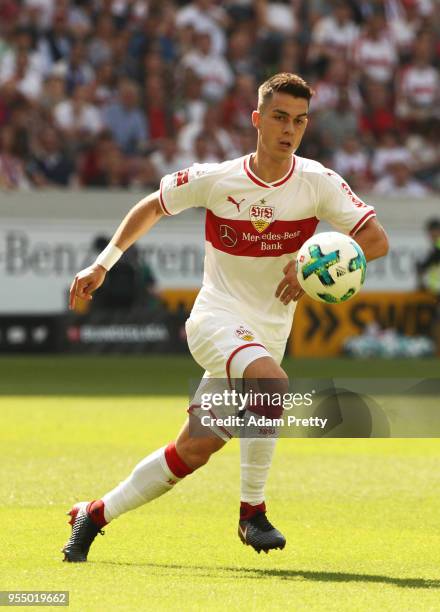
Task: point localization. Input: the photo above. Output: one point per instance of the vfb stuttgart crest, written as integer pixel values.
(244, 334)
(261, 215)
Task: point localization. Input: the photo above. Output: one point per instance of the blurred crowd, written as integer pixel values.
(117, 93)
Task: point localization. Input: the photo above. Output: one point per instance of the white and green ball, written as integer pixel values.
(331, 267)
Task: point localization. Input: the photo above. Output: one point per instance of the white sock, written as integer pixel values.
(151, 478)
(256, 459)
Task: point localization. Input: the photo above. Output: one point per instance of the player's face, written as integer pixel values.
(281, 125)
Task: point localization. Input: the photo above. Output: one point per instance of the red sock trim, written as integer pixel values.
(176, 463)
(247, 511)
(95, 510)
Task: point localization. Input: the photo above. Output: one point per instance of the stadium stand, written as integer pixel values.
(112, 93)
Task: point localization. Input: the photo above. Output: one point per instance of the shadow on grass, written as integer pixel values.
(243, 572)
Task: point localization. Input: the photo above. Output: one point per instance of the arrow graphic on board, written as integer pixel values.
(324, 321)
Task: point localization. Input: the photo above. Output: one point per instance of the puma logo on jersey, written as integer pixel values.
(237, 204)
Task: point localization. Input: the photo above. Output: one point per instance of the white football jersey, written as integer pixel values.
(376, 58)
(253, 229)
(421, 86)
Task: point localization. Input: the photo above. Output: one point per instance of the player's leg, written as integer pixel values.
(256, 453)
(196, 451)
(224, 345)
(265, 375)
(155, 475)
(158, 473)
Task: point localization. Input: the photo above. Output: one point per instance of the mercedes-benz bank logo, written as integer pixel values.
(228, 236)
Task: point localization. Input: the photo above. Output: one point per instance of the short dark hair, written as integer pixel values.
(284, 82)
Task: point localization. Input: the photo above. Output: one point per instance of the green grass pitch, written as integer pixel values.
(361, 517)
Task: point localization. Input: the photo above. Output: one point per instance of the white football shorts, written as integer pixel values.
(223, 344)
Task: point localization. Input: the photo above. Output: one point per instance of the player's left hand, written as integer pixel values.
(289, 288)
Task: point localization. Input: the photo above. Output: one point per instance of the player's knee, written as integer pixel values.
(268, 392)
(269, 388)
(264, 367)
(195, 452)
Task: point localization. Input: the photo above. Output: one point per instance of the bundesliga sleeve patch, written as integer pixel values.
(180, 178)
(186, 188)
(187, 175)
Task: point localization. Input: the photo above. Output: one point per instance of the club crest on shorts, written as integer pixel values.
(261, 215)
(244, 334)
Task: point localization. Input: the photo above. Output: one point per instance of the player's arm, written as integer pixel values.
(372, 239)
(139, 220)
(339, 206)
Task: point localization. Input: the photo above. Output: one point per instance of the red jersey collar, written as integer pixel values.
(260, 182)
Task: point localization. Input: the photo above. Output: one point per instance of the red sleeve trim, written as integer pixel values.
(162, 202)
(232, 355)
(359, 224)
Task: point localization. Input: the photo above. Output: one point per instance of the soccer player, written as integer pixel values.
(260, 209)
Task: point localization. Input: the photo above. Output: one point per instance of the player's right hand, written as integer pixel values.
(85, 283)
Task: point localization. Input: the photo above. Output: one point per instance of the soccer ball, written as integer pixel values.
(331, 267)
